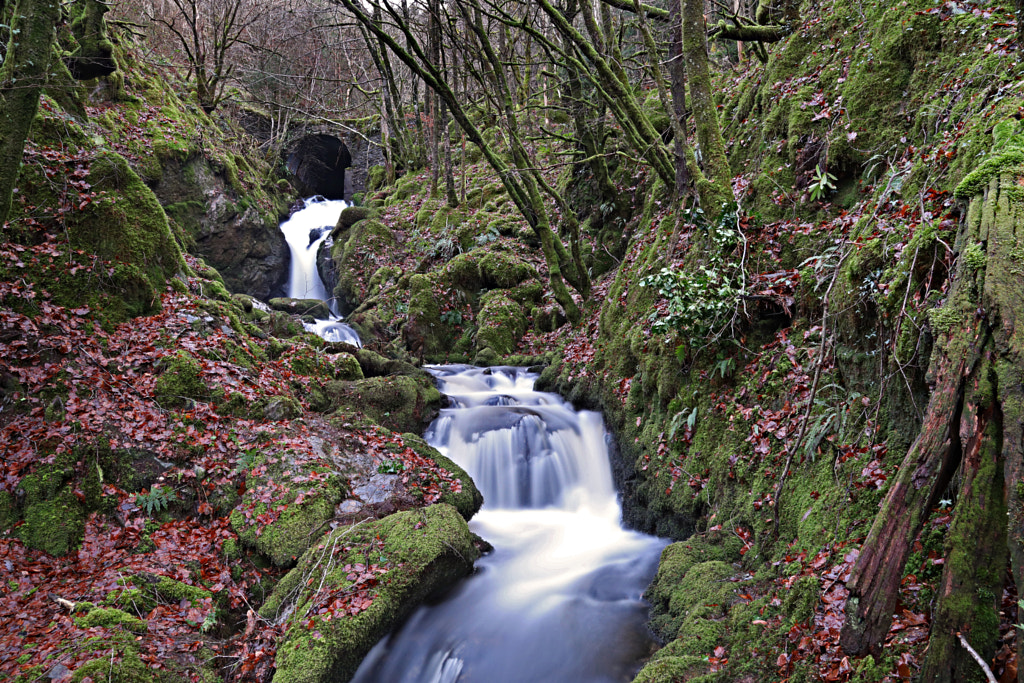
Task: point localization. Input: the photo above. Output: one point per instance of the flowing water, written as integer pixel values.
(559, 599)
(304, 232)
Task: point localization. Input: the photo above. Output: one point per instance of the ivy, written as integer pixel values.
(700, 302)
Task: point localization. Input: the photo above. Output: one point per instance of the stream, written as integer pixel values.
(304, 231)
(560, 597)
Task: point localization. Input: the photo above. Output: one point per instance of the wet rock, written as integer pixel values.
(301, 307)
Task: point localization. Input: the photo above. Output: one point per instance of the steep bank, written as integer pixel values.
(169, 450)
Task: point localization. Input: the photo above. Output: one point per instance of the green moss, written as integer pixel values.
(976, 182)
(8, 510)
(180, 381)
(375, 178)
(469, 499)
(296, 528)
(347, 368)
(55, 525)
(400, 403)
(126, 223)
(974, 256)
(501, 323)
(428, 549)
(129, 669)
(111, 617)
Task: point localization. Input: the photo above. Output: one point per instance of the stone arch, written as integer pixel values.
(317, 164)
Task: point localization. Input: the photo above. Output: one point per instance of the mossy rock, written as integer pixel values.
(55, 525)
(180, 381)
(501, 323)
(401, 403)
(375, 178)
(279, 408)
(347, 368)
(429, 550)
(129, 669)
(488, 268)
(126, 224)
(467, 501)
(367, 238)
(111, 617)
(296, 528)
(300, 307)
(677, 559)
(350, 216)
(668, 665)
(424, 334)
(284, 326)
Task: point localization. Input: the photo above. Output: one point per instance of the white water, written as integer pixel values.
(303, 279)
(559, 599)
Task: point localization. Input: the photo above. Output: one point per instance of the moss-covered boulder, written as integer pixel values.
(424, 333)
(282, 530)
(677, 560)
(426, 552)
(469, 499)
(350, 216)
(128, 669)
(358, 257)
(180, 381)
(300, 307)
(402, 403)
(55, 525)
(126, 224)
(493, 268)
(111, 617)
(501, 323)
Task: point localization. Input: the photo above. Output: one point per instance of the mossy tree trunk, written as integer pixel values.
(971, 588)
(973, 424)
(520, 177)
(616, 93)
(715, 188)
(22, 77)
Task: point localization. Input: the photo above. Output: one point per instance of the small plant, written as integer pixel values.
(687, 416)
(823, 183)
(490, 236)
(391, 466)
(157, 500)
(452, 317)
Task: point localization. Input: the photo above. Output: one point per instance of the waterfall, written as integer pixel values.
(304, 232)
(560, 598)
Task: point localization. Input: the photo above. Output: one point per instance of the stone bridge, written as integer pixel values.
(324, 159)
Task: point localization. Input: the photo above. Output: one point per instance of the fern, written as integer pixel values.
(157, 500)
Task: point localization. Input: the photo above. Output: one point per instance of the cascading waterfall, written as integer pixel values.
(560, 598)
(304, 232)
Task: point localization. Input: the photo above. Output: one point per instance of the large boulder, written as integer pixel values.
(416, 554)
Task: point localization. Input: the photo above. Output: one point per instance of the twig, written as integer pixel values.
(981, 662)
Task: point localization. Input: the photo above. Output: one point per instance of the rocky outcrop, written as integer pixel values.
(233, 235)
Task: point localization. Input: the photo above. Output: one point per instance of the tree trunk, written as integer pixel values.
(926, 471)
(22, 77)
(971, 591)
(715, 190)
(978, 383)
